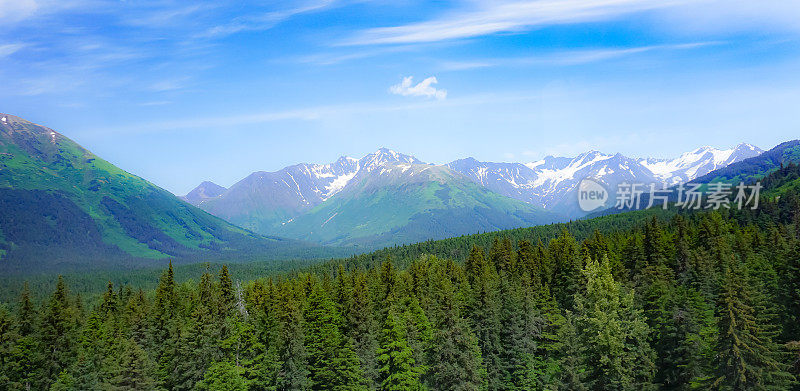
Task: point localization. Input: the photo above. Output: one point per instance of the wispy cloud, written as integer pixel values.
(264, 21)
(569, 57)
(156, 103)
(487, 17)
(223, 122)
(495, 16)
(16, 10)
(9, 49)
(424, 88)
(169, 84)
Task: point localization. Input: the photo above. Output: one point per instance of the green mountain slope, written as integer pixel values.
(410, 203)
(62, 204)
(754, 168)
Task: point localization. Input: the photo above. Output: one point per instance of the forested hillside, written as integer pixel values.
(64, 208)
(709, 300)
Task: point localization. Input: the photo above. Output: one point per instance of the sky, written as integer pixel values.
(181, 92)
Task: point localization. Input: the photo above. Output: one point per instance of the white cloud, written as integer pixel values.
(424, 88)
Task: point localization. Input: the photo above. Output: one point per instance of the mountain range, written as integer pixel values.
(551, 183)
(383, 198)
(388, 197)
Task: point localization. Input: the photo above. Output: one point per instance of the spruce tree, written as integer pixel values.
(613, 332)
(396, 359)
(455, 357)
(132, 369)
(571, 352)
(332, 363)
(57, 333)
(483, 309)
(419, 333)
(222, 376)
(747, 357)
(292, 355)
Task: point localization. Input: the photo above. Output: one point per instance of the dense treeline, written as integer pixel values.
(692, 303)
(145, 273)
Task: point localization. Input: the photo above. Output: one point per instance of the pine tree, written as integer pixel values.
(685, 340)
(565, 279)
(222, 376)
(748, 359)
(293, 372)
(521, 327)
(165, 329)
(614, 334)
(332, 363)
(571, 352)
(227, 299)
(26, 318)
(64, 382)
(789, 293)
(8, 338)
(455, 358)
(484, 310)
(396, 359)
(259, 357)
(132, 369)
(23, 362)
(419, 333)
(57, 332)
(360, 326)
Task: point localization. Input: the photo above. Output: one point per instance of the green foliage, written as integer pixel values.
(613, 333)
(396, 359)
(332, 362)
(222, 376)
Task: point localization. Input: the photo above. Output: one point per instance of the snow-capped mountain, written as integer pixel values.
(551, 183)
(265, 199)
(383, 198)
(697, 163)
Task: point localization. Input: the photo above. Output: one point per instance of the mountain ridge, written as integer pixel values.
(104, 213)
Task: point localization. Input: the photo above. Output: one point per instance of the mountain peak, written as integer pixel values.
(209, 184)
(204, 191)
(385, 156)
(747, 147)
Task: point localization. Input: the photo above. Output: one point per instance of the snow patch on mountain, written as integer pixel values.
(551, 182)
(698, 162)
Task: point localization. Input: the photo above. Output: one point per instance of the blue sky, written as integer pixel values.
(180, 92)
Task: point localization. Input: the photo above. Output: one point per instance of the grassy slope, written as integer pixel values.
(130, 213)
